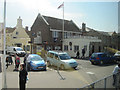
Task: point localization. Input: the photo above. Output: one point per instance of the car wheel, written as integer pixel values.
(45, 69)
(48, 64)
(74, 68)
(92, 63)
(101, 62)
(62, 67)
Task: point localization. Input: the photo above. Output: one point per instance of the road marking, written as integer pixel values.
(89, 73)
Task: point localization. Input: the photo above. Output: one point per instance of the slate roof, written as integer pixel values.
(100, 32)
(9, 30)
(56, 23)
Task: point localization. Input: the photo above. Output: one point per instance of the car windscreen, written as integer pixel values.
(35, 58)
(94, 55)
(64, 56)
(118, 52)
(19, 49)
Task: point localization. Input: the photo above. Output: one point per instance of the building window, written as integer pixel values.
(16, 33)
(55, 34)
(39, 34)
(99, 48)
(65, 35)
(57, 48)
(28, 47)
(14, 37)
(65, 47)
(76, 48)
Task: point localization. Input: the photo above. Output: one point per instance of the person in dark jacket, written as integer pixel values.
(83, 52)
(77, 54)
(10, 59)
(7, 62)
(22, 77)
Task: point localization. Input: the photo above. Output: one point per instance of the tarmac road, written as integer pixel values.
(84, 75)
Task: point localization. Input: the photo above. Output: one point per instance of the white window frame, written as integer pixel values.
(55, 34)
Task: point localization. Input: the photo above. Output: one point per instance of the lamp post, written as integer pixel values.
(4, 57)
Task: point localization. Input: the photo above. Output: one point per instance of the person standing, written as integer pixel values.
(115, 71)
(6, 62)
(77, 54)
(17, 61)
(10, 59)
(22, 77)
(83, 52)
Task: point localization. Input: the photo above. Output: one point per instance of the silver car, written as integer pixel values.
(61, 60)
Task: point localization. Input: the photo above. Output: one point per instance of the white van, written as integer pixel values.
(61, 60)
(15, 50)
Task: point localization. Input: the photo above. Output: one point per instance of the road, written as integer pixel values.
(83, 75)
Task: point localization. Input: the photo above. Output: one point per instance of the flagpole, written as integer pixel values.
(63, 29)
(4, 58)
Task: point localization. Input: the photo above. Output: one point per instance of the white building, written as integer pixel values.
(74, 44)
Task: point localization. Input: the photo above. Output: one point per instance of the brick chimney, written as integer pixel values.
(26, 28)
(83, 27)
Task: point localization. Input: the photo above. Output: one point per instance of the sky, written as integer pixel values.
(100, 15)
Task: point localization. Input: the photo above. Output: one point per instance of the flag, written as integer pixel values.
(61, 5)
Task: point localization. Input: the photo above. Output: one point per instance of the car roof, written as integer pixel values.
(99, 53)
(118, 52)
(57, 52)
(33, 55)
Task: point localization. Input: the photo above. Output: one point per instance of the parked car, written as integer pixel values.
(117, 56)
(35, 62)
(101, 58)
(15, 50)
(61, 59)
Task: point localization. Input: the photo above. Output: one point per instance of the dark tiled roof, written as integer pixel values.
(28, 32)
(56, 23)
(100, 32)
(9, 30)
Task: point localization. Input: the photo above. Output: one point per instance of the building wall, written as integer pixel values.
(18, 36)
(40, 26)
(82, 42)
(21, 37)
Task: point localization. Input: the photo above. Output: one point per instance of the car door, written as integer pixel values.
(104, 58)
(109, 58)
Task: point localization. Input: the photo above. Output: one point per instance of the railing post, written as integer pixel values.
(91, 86)
(105, 83)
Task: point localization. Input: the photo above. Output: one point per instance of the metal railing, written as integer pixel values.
(105, 83)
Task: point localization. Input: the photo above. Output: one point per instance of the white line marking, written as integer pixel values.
(89, 73)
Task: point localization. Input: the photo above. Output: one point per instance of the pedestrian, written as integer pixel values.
(115, 73)
(25, 58)
(22, 77)
(77, 54)
(6, 62)
(17, 61)
(10, 59)
(83, 52)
